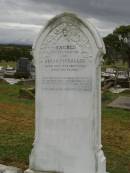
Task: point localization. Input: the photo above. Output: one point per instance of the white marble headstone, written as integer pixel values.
(67, 57)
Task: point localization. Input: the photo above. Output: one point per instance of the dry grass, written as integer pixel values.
(16, 127)
(17, 130)
(116, 136)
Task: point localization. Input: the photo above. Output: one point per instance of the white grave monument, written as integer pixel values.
(67, 55)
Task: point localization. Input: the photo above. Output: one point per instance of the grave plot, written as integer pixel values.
(121, 102)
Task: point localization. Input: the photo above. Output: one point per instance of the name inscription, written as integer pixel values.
(65, 47)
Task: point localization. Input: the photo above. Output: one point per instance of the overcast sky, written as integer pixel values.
(21, 20)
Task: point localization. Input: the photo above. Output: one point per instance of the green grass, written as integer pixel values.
(17, 130)
(10, 63)
(116, 135)
(16, 126)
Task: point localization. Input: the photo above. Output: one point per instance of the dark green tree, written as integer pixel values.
(123, 33)
(112, 48)
(118, 45)
(14, 52)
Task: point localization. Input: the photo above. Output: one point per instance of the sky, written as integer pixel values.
(21, 20)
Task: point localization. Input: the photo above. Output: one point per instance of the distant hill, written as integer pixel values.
(12, 52)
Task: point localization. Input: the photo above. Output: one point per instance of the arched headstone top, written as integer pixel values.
(69, 25)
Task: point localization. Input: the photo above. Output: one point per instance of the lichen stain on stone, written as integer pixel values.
(72, 17)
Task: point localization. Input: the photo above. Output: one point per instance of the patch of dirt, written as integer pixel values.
(18, 115)
(116, 135)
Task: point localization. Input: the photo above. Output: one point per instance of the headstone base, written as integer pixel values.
(33, 171)
(101, 162)
(101, 165)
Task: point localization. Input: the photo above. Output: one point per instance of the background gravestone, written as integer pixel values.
(23, 67)
(67, 57)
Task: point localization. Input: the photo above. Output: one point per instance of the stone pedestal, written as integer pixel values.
(30, 171)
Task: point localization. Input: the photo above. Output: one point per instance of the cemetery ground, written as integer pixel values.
(5, 64)
(17, 130)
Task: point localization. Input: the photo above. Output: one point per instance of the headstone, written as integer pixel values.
(67, 57)
(23, 67)
(122, 75)
(9, 72)
(32, 71)
(1, 71)
(109, 70)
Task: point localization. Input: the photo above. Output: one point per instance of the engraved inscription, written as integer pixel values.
(69, 84)
(64, 64)
(67, 51)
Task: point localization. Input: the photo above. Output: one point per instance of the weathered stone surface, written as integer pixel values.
(67, 57)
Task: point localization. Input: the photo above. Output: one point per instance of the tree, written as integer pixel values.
(118, 45)
(123, 33)
(14, 52)
(112, 48)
